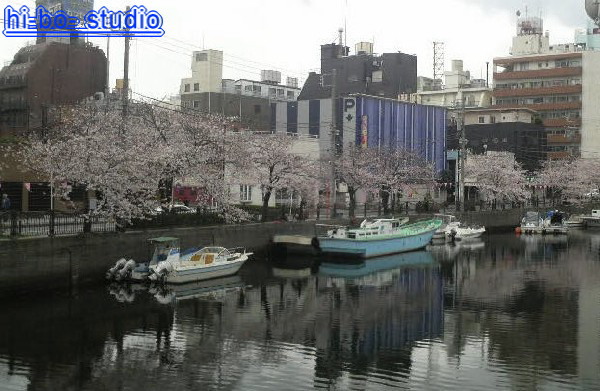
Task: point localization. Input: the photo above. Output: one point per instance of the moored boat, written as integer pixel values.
(553, 223)
(592, 220)
(575, 221)
(203, 264)
(378, 238)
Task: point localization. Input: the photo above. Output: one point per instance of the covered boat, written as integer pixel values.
(378, 238)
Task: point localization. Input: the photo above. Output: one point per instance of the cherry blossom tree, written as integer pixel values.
(398, 170)
(126, 160)
(271, 163)
(357, 168)
(497, 176)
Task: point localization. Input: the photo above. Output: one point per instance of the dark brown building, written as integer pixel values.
(39, 77)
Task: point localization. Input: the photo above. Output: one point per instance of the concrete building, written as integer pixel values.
(388, 75)
(246, 99)
(459, 89)
(559, 82)
(207, 73)
(78, 8)
(514, 131)
(39, 77)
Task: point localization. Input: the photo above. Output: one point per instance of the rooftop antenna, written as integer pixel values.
(341, 36)
(438, 60)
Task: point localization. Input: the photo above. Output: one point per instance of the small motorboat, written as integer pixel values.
(459, 232)
(165, 248)
(553, 223)
(448, 221)
(592, 220)
(203, 264)
(575, 221)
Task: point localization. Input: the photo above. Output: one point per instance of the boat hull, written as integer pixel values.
(182, 276)
(545, 230)
(592, 222)
(375, 247)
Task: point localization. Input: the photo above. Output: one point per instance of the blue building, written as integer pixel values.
(369, 121)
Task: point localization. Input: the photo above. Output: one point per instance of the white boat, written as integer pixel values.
(203, 264)
(593, 220)
(464, 233)
(575, 221)
(165, 248)
(441, 235)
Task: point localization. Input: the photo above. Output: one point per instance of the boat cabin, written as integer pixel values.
(376, 227)
(532, 219)
(165, 248)
(596, 213)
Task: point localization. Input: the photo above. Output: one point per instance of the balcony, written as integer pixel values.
(542, 106)
(558, 90)
(538, 74)
(563, 139)
(562, 122)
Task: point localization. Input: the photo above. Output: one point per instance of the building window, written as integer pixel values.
(245, 193)
(196, 104)
(280, 92)
(290, 94)
(201, 57)
(482, 120)
(248, 88)
(272, 91)
(492, 119)
(257, 109)
(196, 86)
(186, 88)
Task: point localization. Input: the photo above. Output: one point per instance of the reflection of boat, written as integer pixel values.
(447, 252)
(202, 264)
(375, 267)
(209, 289)
(378, 238)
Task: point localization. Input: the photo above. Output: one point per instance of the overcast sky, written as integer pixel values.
(286, 34)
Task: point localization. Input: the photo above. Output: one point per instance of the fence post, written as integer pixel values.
(87, 224)
(13, 223)
(51, 228)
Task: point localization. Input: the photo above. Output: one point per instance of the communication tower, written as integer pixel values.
(438, 60)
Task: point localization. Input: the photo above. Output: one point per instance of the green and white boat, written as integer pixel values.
(378, 238)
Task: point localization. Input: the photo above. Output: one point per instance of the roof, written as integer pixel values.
(163, 239)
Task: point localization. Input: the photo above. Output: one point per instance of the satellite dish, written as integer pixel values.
(592, 7)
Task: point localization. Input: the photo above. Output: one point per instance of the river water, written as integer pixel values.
(507, 312)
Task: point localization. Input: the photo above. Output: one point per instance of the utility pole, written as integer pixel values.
(125, 95)
(333, 149)
(460, 127)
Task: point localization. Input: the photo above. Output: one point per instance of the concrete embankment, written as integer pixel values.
(60, 262)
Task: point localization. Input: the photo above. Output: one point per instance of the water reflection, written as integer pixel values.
(508, 312)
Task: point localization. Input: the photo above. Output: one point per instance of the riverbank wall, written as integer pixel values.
(68, 262)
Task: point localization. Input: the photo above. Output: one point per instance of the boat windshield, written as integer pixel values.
(214, 250)
(532, 217)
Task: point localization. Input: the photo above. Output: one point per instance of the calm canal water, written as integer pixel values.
(504, 313)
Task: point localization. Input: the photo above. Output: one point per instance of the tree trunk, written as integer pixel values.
(385, 199)
(352, 206)
(265, 206)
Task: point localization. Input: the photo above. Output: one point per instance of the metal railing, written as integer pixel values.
(40, 224)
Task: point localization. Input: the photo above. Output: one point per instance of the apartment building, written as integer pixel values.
(559, 82)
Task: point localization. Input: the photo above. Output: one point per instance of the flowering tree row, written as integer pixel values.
(384, 172)
(129, 160)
